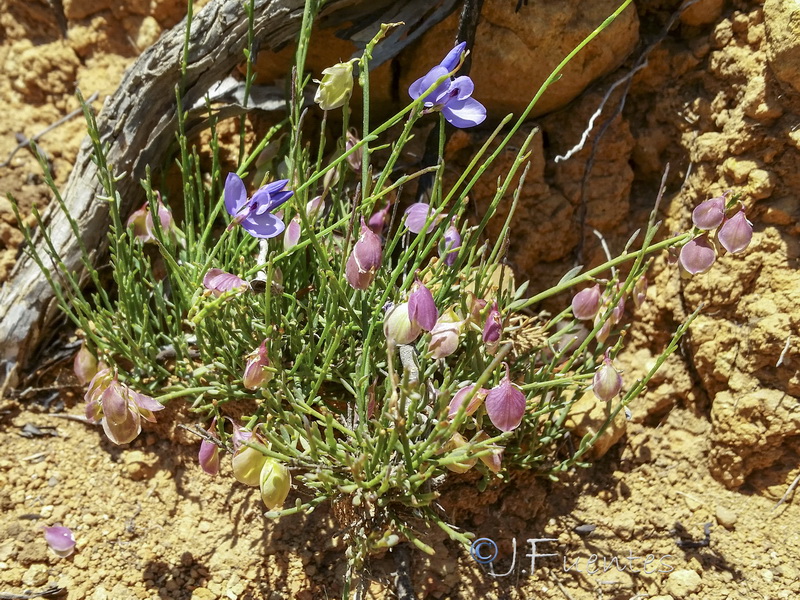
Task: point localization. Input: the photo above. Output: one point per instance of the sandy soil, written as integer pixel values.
(714, 441)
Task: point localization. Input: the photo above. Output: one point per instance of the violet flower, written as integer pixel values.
(417, 216)
(493, 327)
(255, 214)
(118, 408)
(421, 307)
(453, 96)
(364, 260)
(218, 282)
(60, 539)
(698, 255)
(505, 404)
(736, 233)
(208, 457)
(451, 242)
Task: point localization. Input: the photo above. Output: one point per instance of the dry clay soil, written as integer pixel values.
(713, 441)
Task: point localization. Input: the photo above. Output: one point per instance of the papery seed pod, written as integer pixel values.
(256, 374)
(247, 464)
(505, 404)
(364, 260)
(736, 233)
(586, 303)
(698, 255)
(275, 482)
(60, 539)
(607, 382)
(456, 442)
(709, 214)
(84, 364)
(421, 306)
(460, 397)
(398, 326)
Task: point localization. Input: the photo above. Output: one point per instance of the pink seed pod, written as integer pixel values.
(421, 306)
(586, 303)
(505, 404)
(607, 381)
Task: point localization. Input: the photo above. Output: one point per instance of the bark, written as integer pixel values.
(138, 124)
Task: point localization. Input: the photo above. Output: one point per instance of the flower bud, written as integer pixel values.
(292, 234)
(445, 334)
(208, 457)
(736, 233)
(493, 327)
(314, 208)
(219, 282)
(60, 539)
(505, 404)
(355, 159)
(398, 326)
(461, 395)
(465, 464)
(336, 86)
(365, 259)
(275, 482)
(247, 465)
(255, 373)
(84, 365)
(607, 382)
(451, 242)
(586, 303)
(698, 255)
(709, 214)
(421, 307)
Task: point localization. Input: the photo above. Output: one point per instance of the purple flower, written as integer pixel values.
(60, 540)
(377, 222)
(255, 373)
(141, 221)
(417, 216)
(421, 307)
(461, 395)
(586, 303)
(607, 381)
(364, 260)
(453, 96)
(219, 282)
(255, 214)
(736, 233)
(208, 457)
(698, 255)
(451, 242)
(119, 408)
(493, 327)
(505, 404)
(709, 214)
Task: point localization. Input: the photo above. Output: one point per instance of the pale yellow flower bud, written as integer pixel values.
(336, 86)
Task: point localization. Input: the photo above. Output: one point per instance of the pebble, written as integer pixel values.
(35, 576)
(139, 466)
(683, 582)
(726, 517)
(203, 594)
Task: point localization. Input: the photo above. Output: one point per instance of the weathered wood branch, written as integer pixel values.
(138, 123)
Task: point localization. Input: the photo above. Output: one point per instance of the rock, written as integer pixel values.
(139, 465)
(703, 12)
(203, 594)
(726, 517)
(35, 576)
(683, 582)
(587, 416)
(782, 22)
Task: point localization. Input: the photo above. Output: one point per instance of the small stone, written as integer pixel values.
(726, 517)
(683, 582)
(35, 576)
(203, 594)
(692, 503)
(139, 465)
(100, 593)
